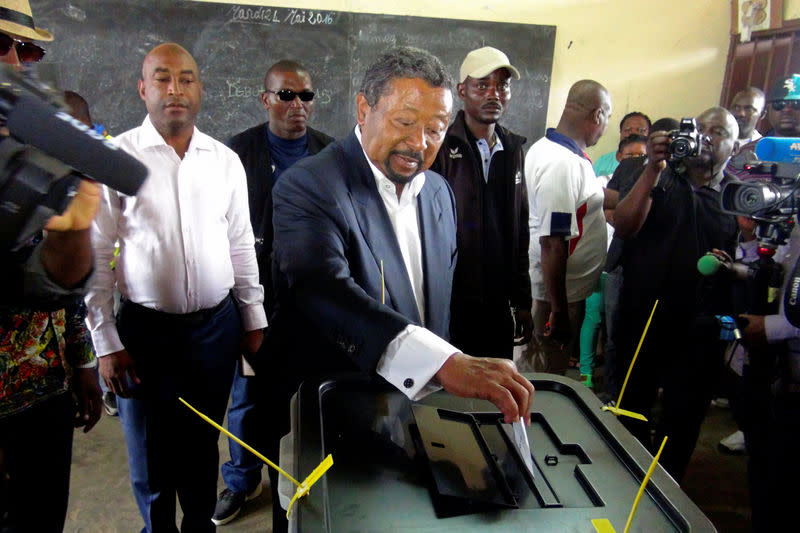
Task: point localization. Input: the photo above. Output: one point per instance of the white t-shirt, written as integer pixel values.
(565, 199)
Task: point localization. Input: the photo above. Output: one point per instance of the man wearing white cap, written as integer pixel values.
(483, 162)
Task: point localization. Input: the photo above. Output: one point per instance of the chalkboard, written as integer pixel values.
(100, 45)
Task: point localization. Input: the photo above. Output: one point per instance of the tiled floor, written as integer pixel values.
(101, 499)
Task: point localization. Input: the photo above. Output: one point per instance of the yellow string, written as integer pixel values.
(383, 285)
(241, 442)
(644, 483)
(635, 355)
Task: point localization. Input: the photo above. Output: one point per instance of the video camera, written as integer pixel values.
(771, 199)
(43, 156)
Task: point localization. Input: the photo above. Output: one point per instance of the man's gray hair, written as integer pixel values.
(403, 62)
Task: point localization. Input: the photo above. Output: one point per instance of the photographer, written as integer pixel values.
(37, 410)
(670, 218)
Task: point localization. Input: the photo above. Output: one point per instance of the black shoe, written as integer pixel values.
(110, 403)
(230, 503)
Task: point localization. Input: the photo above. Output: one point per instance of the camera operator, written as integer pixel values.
(770, 413)
(669, 219)
(37, 410)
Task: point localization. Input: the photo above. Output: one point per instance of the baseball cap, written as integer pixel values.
(483, 61)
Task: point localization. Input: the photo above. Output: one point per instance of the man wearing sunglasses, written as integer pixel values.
(38, 340)
(783, 114)
(266, 151)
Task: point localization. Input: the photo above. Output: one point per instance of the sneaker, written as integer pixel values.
(230, 503)
(110, 403)
(586, 379)
(733, 443)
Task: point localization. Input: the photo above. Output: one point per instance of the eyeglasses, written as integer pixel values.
(27, 52)
(778, 105)
(287, 95)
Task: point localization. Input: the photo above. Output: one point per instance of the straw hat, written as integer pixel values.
(16, 18)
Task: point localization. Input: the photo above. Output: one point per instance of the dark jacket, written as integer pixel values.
(459, 162)
(253, 148)
(336, 256)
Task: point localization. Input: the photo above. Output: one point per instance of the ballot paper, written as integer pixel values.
(522, 444)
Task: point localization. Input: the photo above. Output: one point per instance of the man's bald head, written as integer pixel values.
(586, 113)
(155, 55)
(587, 94)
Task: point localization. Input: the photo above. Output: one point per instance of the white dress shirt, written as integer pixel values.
(185, 239)
(415, 353)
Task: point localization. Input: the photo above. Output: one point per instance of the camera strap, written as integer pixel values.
(791, 299)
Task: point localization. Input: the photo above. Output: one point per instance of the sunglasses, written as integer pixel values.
(287, 95)
(780, 104)
(27, 52)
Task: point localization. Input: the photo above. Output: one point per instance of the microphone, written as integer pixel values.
(54, 132)
(711, 264)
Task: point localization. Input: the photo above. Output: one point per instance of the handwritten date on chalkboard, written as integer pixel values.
(274, 15)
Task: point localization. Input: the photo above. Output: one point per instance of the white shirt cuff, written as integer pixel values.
(412, 359)
(253, 316)
(106, 340)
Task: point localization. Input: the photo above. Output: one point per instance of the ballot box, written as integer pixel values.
(448, 464)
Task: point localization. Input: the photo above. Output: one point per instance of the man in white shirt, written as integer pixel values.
(568, 229)
(365, 247)
(188, 277)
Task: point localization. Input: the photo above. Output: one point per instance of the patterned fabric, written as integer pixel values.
(31, 343)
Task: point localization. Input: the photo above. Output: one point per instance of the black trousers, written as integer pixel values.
(686, 360)
(36, 448)
(172, 451)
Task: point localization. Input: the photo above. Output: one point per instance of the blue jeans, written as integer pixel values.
(170, 449)
(243, 472)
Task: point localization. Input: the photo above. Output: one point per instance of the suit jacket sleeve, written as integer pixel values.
(313, 236)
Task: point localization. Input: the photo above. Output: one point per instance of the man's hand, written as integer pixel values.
(87, 393)
(81, 210)
(658, 150)
(558, 328)
(496, 380)
(251, 341)
(754, 334)
(524, 326)
(115, 369)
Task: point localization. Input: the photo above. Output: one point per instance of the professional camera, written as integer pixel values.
(685, 141)
(44, 153)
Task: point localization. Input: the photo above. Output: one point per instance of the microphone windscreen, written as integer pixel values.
(708, 265)
(55, 133)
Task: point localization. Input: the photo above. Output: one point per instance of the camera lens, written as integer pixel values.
(681, 147)
(751, 198)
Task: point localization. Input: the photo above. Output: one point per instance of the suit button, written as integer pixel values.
(351, 348)
(408, 383)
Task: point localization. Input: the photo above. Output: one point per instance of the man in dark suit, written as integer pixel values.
(365, 247)
(266, 151)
